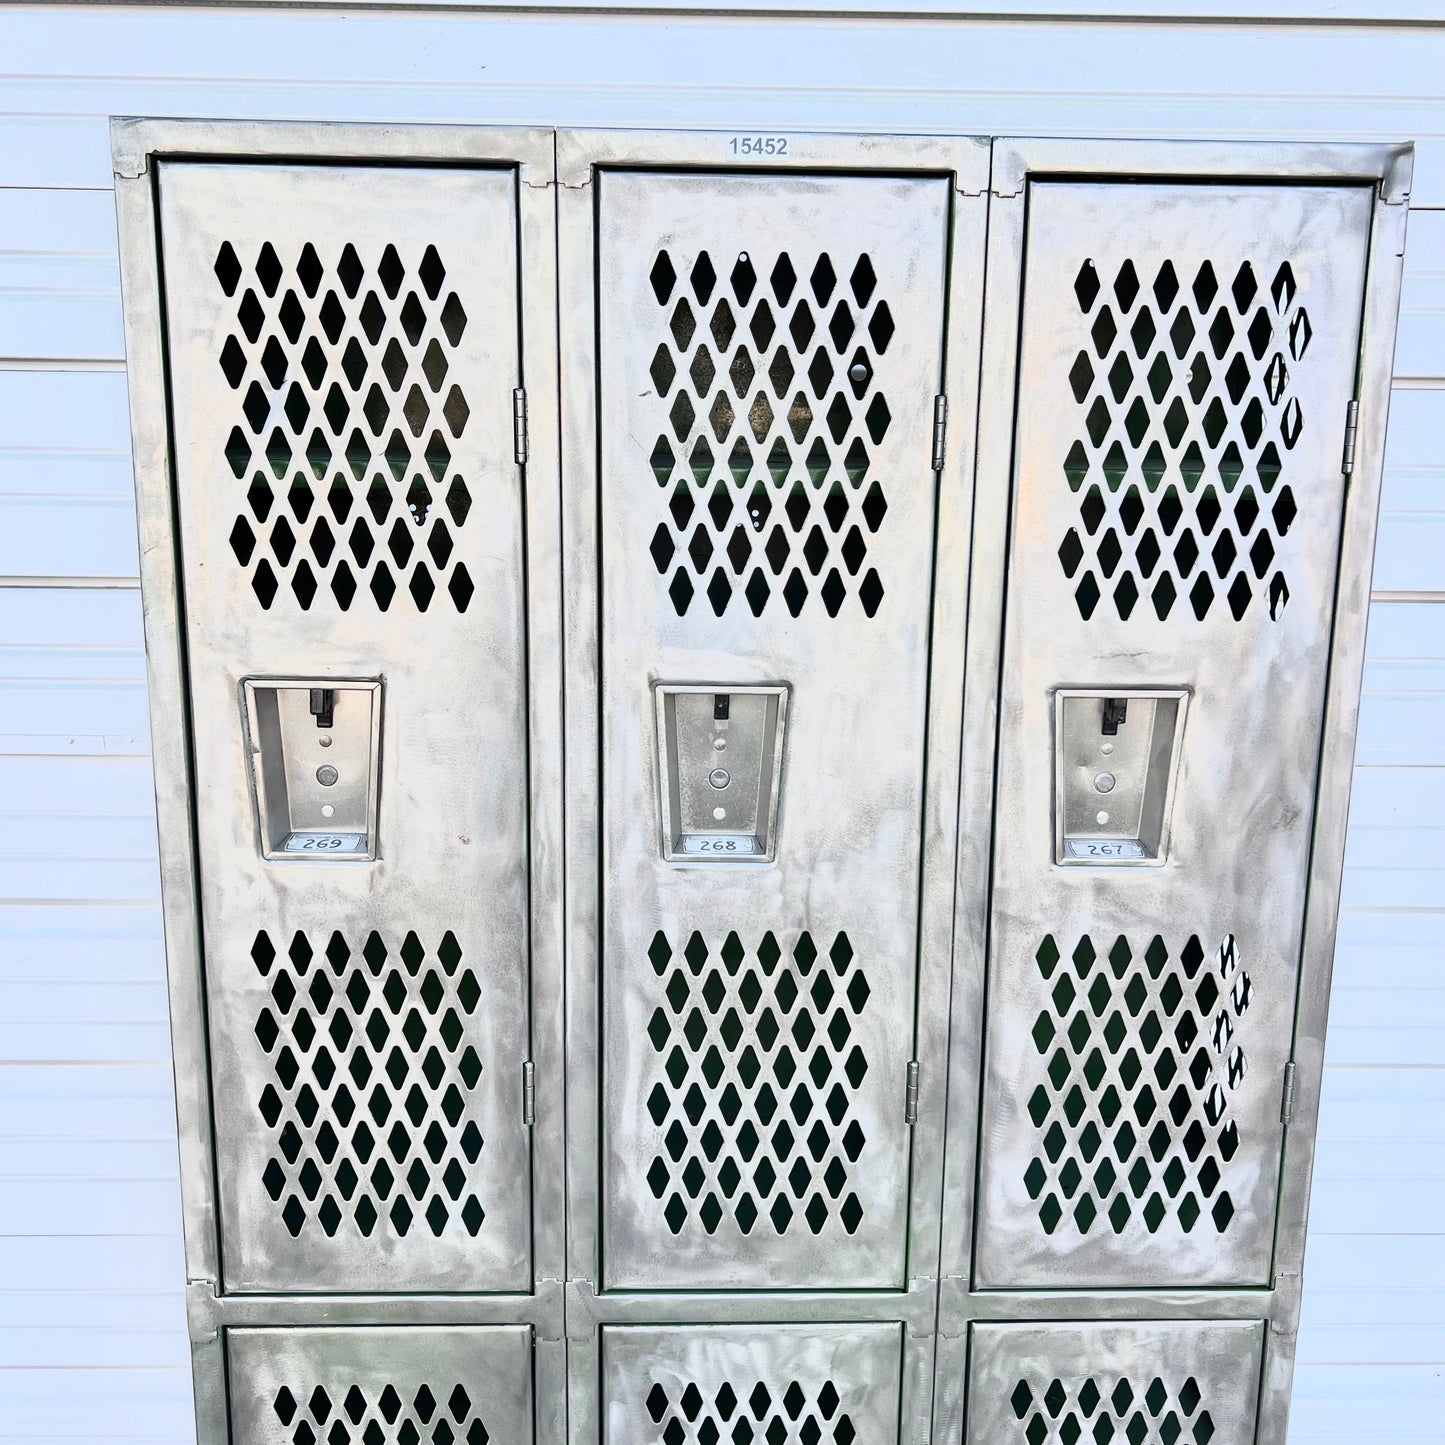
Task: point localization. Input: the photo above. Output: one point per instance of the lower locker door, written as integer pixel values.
(770, 350)
(1089, 1384)
(454, 1386)
(343, 349)
(782, 1384)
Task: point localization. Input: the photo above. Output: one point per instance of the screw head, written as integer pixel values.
(858, 372)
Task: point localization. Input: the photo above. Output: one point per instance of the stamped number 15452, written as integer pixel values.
(758, 145)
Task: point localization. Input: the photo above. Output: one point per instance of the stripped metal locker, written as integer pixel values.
(338, 534)
(776, 544)
(956, 770)
(1171, 576)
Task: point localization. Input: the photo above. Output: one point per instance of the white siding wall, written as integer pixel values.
(92, 1346)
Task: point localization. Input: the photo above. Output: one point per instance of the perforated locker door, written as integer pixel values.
(455, 1386)
(769, 354)
(1187, 358)
(342, 353)
(1149, 1383)
(785, 1384)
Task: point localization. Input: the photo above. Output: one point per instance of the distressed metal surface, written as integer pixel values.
(1148, 1383)
(1140, 1019)
(467, 1386)
(786, 1384)
(758, 1020)
(368, 1022)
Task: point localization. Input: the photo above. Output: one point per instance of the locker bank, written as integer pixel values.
(752, 741)
(755, 639)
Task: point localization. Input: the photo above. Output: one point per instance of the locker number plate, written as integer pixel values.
(1102, 848)
(328, 843)
(713, 844)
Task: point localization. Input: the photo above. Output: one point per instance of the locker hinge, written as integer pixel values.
(940, 430)
(1286, 1103)
(1352, 423)
(519, 424)
(910, 1093)
(529, 1093)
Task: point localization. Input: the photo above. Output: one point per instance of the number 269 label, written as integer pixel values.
(324, 843)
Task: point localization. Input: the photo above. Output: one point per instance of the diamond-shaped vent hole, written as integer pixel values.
(1139, 1055)
(1085, 1410)
(1179, 417)
(740, 408)
(743, 1410)
(377, 441)
(360, 1035)
(753, 1085)
(340, 1412)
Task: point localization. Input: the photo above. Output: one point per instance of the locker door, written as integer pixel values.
(769, 355)
(783, 1383)
(454, 1386)
(343, 347)
(1150, 1383)
(1188, 354)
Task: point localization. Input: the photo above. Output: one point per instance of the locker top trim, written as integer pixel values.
(1018, 161)
(580, 153)
(136, 141)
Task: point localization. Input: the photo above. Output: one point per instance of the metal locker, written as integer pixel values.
(454, 1386)
(1148, 1383)
(1187, 365)
(349, 555)
(895, 1005)
(769, 353)
(784, 1384)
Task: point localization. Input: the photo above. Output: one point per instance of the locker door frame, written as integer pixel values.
(529, 154)
(580, 155)
(1386, 168)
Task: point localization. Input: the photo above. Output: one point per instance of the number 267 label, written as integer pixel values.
(1103, 848)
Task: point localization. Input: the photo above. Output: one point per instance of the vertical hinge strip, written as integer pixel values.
(529, 1093)
(940, 430)
(1286, 1104)
(910, 1094)
(519, 423)
(1352, 425)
